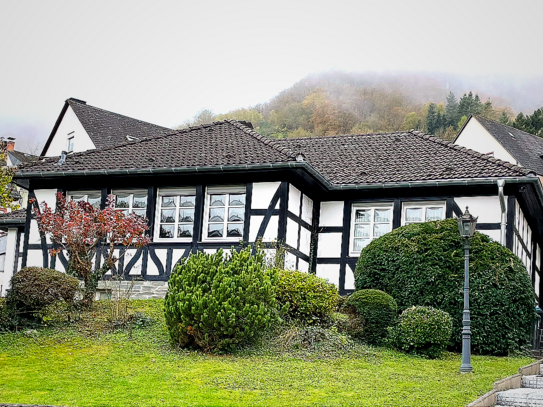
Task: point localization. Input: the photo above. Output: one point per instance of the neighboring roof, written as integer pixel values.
(396, 157)
(18, 157)
(14, 217)
(105, 128)
(221, 143)
(526, 148)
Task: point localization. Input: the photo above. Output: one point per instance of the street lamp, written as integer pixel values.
(466, 227)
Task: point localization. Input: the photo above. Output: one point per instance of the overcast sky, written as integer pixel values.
(163, 61)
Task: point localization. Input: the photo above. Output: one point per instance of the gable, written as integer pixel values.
(476, 137)
(69, 126)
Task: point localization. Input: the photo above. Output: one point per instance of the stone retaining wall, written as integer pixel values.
(141, 290)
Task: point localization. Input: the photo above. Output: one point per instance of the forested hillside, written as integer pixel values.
(343, 103)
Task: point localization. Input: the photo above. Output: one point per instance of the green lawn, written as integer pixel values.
(70, 367)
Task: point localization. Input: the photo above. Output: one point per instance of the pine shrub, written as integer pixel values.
(423, 264)
(424, 331)
(378, 311)
(35, 288)
(305, 297)
(215, 302)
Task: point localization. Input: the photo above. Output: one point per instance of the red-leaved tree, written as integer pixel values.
(79, 229)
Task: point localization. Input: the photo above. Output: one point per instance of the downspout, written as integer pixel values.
(501, 183)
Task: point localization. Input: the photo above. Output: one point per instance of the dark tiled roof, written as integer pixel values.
(18, 216)
(107, 129)
(220, 143)
(526, 148)
(20, 157)
(396, 157)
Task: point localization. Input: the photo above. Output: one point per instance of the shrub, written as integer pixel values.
(309, 298)
(423, 264)
(424, 331)
(378, 311)
(35, 288)
(216, 302)
(350, 323)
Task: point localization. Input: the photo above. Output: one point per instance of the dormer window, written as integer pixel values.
(70, 143)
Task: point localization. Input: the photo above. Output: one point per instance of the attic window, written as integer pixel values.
(70, 144)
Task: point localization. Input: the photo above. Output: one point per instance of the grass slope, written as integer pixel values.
(70, 367)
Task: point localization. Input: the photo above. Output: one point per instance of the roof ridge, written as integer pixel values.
(346, 135)
(263, 139)
(506, 125)
(72, 101)
(469, 151)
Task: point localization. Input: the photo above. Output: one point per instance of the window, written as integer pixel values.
(369, 222)
(92, 197)
(3, 244)
(175, 218)
(225, 213)
(70, 142)
(131, 202)
(416, 212)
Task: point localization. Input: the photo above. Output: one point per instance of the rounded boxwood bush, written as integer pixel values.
(306, 297)
(423, 331)
(378, 311)
(423, 264)
(214, 302)
(35, 288)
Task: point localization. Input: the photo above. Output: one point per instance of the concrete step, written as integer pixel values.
(532, 382)
(523, 397)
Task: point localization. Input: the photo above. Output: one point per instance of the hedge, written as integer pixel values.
(423, 264)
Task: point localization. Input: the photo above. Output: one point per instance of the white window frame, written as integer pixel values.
(131, 193)
(4, 236)
(71, 140)
(424, 205)
(84, 194)
(223, 190)
(176, 192)
(372, 206)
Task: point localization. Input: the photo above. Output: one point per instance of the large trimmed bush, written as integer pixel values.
(35, 288)
(214, 302)
(423, 264)
(378, 311)
(308, 298)
(423, 331)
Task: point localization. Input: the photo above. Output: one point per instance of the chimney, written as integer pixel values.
(10, 144)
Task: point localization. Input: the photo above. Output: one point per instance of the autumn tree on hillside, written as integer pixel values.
(79, 229)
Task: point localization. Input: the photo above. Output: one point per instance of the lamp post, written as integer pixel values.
(466, 227)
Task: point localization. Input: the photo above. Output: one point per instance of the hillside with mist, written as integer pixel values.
(339, 102)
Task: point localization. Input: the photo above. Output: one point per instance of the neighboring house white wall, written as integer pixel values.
(476, 137)
(9, 261)
(70, 126)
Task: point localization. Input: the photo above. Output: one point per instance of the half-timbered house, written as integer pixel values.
(222, 184)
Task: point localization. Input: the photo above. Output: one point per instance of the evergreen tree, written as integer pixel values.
(432, 119)
(464, 106)
(451, 110)
(504, 119)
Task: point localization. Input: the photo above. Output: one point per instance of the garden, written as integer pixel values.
(238, 330)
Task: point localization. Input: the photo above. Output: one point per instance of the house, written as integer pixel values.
(503, 142)
(219, 184)
(13, 158)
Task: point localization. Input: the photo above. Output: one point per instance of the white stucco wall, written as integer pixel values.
(331, 213)
(263, 193)
(9, 262)
(329, 272)
(69, 126)
(476, 137)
